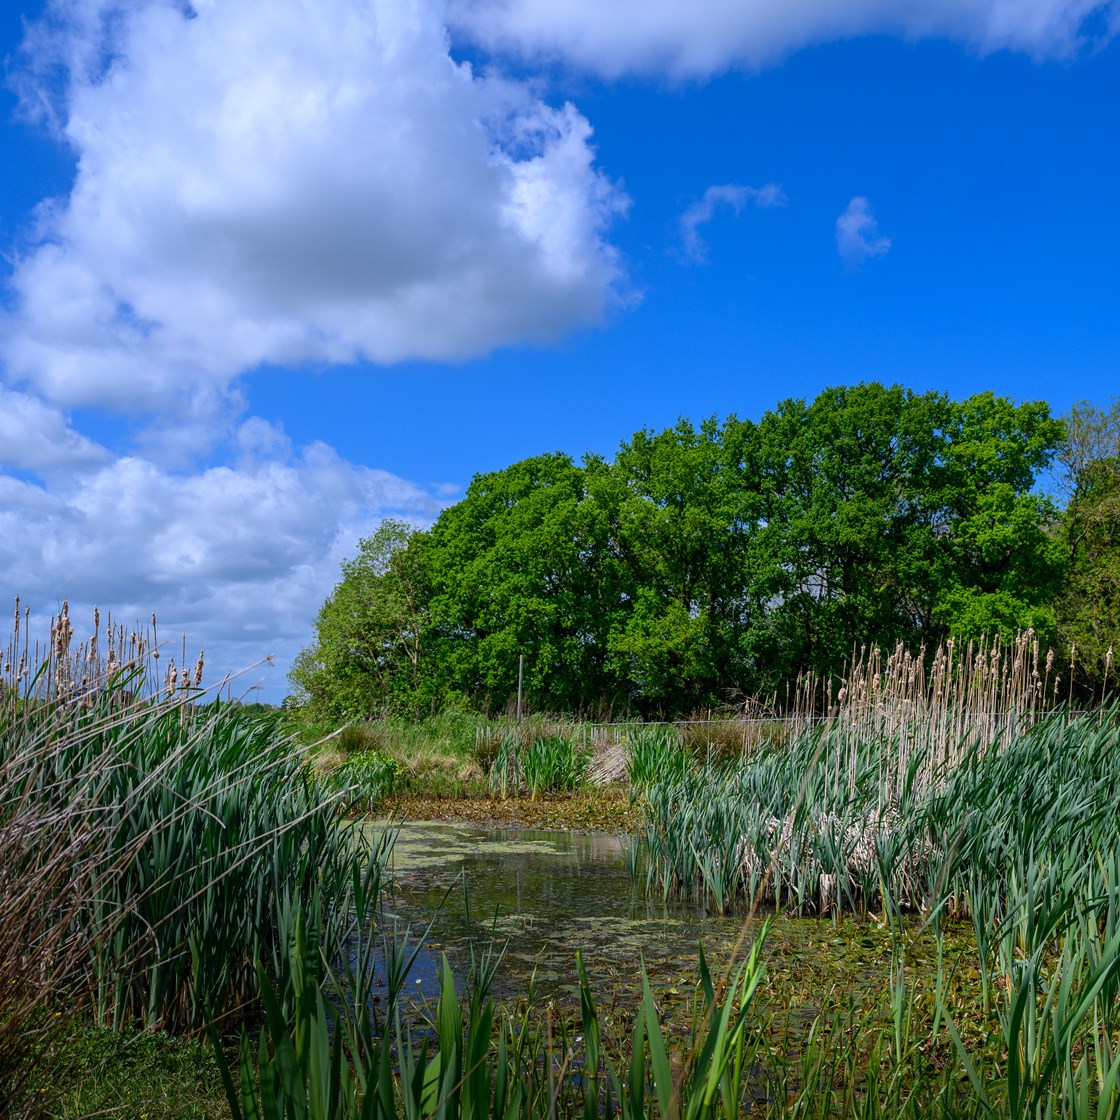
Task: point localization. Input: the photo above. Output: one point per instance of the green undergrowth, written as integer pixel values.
(131, 1074)
(153, 850)
(453, 755)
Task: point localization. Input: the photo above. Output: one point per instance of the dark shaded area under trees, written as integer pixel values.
(707, 564)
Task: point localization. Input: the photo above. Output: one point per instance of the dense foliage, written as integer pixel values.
(1089, 607)
(707, 563)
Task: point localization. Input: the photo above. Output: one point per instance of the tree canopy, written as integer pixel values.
(705, 563)
(1089, 606)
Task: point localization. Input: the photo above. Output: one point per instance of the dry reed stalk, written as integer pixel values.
(78, 672)
(931, 707)
(51, 854)
(54, 857)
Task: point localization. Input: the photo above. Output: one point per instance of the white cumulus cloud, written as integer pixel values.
(857, 234)
(290, 182)
(36, 437)
(730, 195)
(239, 557)
(706, 36)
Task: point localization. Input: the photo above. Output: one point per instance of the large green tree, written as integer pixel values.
(1002, 569)
(519, 568)
(704, 563)
(681, 507)
(367, 655)
(892, 516)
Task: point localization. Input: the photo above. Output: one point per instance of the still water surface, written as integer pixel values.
(543, 895)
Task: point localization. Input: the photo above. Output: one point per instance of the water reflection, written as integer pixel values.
(542, 895)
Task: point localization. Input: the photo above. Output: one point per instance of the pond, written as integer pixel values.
(543, 895)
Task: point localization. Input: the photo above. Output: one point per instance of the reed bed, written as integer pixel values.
(959, 790)
(539, 763)
(867, 801)
(154, 849)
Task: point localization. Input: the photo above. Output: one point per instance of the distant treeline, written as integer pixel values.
(707, 564)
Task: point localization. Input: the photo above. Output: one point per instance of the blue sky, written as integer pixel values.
(273, 271)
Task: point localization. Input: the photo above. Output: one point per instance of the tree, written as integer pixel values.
(1002, 568)
(1089, 606)
(849, 539)
(705, 561)
(895, 516)
(519, 567)
(681, 506)
(366, 658)
(1092, 434)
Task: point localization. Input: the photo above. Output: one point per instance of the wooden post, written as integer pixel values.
(520, 673)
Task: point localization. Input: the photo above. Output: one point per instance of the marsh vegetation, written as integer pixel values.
(908, 904)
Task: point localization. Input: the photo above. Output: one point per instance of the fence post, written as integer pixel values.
(520, 672)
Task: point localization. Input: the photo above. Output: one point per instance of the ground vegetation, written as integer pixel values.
(181, 874)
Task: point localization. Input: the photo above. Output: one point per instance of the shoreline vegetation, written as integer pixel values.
(190, 918)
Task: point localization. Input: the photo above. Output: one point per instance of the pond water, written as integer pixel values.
(543, 895)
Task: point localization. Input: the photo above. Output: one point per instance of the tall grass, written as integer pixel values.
(550, 763)
(484, 1063)
(864, 808)
(966, 792)
(154, 848)
(656, 754)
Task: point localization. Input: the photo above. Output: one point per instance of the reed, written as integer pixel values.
(48, 854)
(538, 763)
(959, 789)
(483, 1063)
(153, 848)
(656, 754)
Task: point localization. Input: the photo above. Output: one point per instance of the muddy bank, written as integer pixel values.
(606, 810)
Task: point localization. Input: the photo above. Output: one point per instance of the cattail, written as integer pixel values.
(198, 669)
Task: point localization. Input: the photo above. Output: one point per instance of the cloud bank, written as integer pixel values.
(239, 557)
(289, 182)
(706, 36)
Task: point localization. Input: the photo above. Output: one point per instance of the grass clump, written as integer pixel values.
(539, 763)
(154, 850)
(365, 779)
(656, 754)
(135, 1073)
